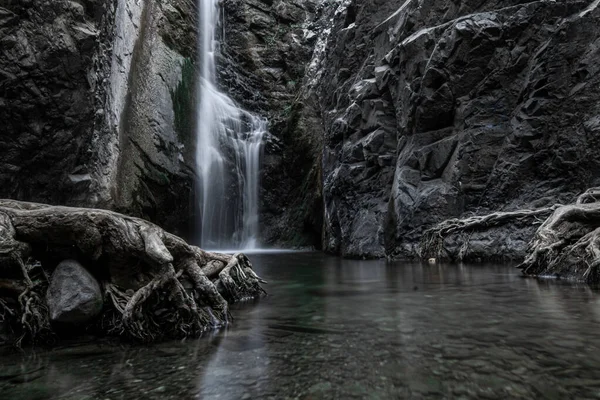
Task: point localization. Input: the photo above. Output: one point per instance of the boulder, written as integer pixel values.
(74, 295)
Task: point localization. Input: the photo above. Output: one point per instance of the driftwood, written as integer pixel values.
(566, 245)
(142, 268)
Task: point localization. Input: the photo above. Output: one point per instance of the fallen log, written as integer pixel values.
(142, 270)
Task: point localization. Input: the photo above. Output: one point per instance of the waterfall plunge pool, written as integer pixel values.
(342, 329)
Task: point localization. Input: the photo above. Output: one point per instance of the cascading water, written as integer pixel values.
(229, 142)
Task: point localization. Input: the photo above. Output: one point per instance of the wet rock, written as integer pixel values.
(320, 388)
(4, 333)
(74, 295)
(153, 117)
(47, 103)
(89, 118)
(265, 51)
(482, 106)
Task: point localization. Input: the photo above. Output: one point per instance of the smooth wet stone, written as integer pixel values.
(243, 344)
(405, 330)
(33, 391)
(475, 363)
(567, 344)
(16, 374)
(74, 295)
(546, 391)
(429, 385)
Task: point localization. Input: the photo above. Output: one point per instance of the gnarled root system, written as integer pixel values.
(566, 245)
(155, 284)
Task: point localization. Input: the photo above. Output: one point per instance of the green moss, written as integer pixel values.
(278, 33)
(184, 100)
(164, 179)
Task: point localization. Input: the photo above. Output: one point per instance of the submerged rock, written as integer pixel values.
(74, 295)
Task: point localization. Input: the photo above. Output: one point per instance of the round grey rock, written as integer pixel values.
(74, 295)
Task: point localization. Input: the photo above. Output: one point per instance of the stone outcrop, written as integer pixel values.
(437, 109)
(74, 295)
(96, 99)
(151, 114)
(48, 56)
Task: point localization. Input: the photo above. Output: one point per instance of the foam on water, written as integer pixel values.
(260, 251)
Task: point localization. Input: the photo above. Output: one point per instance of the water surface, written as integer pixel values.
(340, 329)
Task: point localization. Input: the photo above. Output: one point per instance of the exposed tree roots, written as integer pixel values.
(566, 245)
(432, 241)
(155, 284)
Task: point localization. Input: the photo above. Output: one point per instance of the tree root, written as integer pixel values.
(567, 245)
(591, 195)
(432, 242)
(34, 313)
(190, 312)
(238, 280)
(145, 271)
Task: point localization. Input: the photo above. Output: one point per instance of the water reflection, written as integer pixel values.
(345, 329)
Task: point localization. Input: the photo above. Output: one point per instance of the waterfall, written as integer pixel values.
(229, 141)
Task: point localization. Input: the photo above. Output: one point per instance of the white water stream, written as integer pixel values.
(229, 142)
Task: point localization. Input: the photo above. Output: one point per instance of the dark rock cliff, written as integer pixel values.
(96, 99)
(438, 109)
(386, 117)
(265, 52)
(154, 174)
(49, 54)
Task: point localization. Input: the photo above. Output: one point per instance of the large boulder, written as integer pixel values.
(74, 295)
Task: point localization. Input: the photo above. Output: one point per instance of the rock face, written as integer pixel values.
(151, 115)
(386, 116)
(74, 295)
(437, 109)
(96, 99)
(264, 54)
(49, 51)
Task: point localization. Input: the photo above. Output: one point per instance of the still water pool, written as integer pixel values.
(341, 329)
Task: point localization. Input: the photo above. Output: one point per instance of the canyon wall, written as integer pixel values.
(50, 90)
(96, 99)
(266, 49)
(432, 109)
(386, 117)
